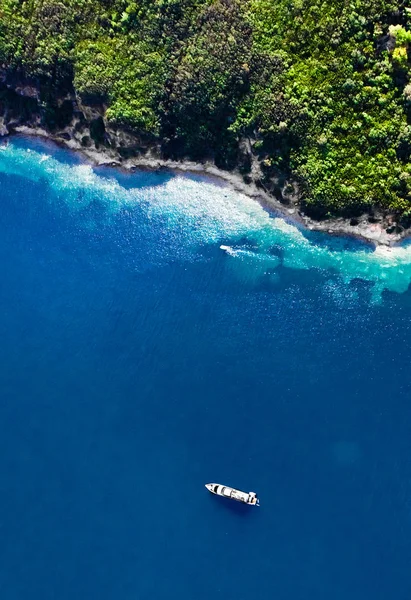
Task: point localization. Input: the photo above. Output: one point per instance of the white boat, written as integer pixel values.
(228, 249)
(232, 494)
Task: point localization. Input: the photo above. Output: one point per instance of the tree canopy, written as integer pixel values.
(320, 87)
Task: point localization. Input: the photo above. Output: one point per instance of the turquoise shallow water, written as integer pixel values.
(139, 361)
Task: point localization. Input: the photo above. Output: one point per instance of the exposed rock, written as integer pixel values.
(97, 130)
(84, 128)
(86, 141)
(373, 219)
(64, 135)
(386, 42)
(29, 91)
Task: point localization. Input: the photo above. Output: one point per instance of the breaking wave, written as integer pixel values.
(196, 213)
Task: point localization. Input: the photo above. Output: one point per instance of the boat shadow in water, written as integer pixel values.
(232, 506)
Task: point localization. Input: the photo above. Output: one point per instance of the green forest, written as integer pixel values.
(320, 87)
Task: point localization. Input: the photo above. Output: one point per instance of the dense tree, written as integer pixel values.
(321, 87)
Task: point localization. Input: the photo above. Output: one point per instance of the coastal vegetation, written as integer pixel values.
(319, 89)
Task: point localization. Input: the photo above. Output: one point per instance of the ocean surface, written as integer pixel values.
(139, 361)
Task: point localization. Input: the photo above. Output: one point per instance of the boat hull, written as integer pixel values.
(230, 493)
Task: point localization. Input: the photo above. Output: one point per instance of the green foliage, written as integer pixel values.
(126, 76)
(322, 87)
(212, 75)
(348, 73)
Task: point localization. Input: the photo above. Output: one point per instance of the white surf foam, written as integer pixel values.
(201, 213)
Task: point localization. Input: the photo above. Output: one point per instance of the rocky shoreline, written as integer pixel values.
(83, 129)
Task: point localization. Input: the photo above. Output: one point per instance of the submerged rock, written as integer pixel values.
(3, 128)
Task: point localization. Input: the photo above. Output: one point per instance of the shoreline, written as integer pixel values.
(366, 229)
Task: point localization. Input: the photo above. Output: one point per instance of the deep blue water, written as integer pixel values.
(139, 362)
